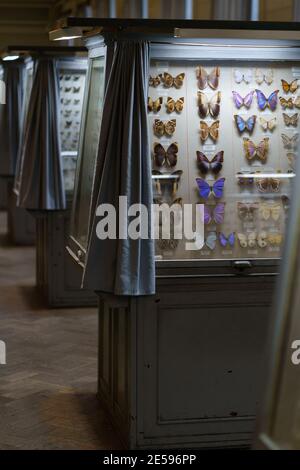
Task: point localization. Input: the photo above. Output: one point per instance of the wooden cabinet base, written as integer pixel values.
(20, 224)
(183, 368)
(58, 277)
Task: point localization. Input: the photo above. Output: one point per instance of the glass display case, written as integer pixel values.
(28, 74)
(224, 133)
(72, 75)
(88, 148)
(223, 115)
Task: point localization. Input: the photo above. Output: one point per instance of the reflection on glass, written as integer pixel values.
(85, 171)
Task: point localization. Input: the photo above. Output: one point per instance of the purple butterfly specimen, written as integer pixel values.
(264, 102)
(214, 213)
(205, 189)
(225, 241)
(243, 125)
(215, 165)
(239, 101)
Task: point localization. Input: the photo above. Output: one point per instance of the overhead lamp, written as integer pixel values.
(65, 34)
(9, 57)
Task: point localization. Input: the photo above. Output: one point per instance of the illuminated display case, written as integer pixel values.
(183, 368)
(88, 148)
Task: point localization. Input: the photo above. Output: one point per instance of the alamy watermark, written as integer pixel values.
(2, 353)
(162, 222)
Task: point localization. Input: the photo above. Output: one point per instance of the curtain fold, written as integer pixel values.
(10, 118)
(127, 266)
(41, 182)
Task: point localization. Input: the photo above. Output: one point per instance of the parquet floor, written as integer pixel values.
(48, 386)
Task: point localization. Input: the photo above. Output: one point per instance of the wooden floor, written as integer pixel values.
(48, 386)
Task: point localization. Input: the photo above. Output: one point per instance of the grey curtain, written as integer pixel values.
(41, 182)
(123, 267)
(10, 118)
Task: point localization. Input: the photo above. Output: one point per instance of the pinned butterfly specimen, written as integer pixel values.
(205, 189)
(247, 210)
(286, 202)
(259, 151)
(243, 75)
(290, 120)
(292, 159)
(275, 239)
(239, 101)
(245, 179)
(248, 240)
(286, 103)
(290, 142)
(166, 157)
(76, 89)
(211, 240)
(154, 105)
(227, 241)
(214, 165)
(164, 128)
(207, 106)
(209, 131)
(173, 105)
(169, 81)
(264, 102)
(268, 184)
(270, 211)
(172, 179)
(214, 214)
(154, 81)
(290, 87)
(268, 125)
(243, 125)
(208, 79)
(261, 77)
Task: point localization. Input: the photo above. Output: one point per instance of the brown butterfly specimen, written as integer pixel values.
(267, 184)
(209, 131)
(275, 239)
(169, 81)
(154, 105)
(286, 103)
(290, 120)
(164, 128)
(247, 210)
(259, 151)
(207, 106)
(166, 157)
(290, 87)
(173, 105)
(208, 79)
(154, 81)
(291, 156)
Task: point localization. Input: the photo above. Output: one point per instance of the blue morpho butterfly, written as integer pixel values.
(225, 241)
(264, 102)
(243, 125)
(205, 189)
(211, 240)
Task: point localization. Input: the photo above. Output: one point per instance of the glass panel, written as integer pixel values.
(88, 152)
(71, 84)
(225, 135)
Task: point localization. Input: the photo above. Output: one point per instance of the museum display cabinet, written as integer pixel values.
(58, 280)
(17, 76)
(20, 224)
(57, 277)
(183, 367)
